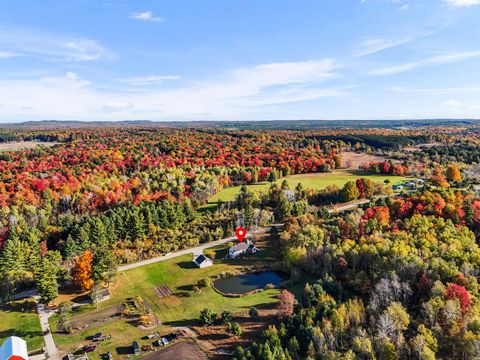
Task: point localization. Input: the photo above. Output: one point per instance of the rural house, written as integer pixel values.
(246, 247)
(14, 348)
(202, 261)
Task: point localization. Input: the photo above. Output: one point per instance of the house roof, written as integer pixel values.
(200, 259)
(14, 348)
(240, 246)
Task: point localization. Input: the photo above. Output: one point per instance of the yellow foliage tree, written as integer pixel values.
(453, 173)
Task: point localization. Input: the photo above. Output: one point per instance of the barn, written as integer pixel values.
(14, 348)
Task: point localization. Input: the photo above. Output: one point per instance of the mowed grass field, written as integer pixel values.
(315, 181)
(20, 318)
(180, 309)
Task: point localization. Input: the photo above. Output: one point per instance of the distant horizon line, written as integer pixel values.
(231, 121)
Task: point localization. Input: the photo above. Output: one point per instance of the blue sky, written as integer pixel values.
(239, 59)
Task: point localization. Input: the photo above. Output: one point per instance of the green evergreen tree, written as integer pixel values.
(46, 280)
(104, 264)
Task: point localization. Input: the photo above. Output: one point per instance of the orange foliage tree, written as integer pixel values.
(453, 173)
(82, 271)
(438, 178)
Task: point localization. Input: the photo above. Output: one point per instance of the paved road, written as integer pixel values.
(196, 250)
(199, 249)
(44, 314)
(25, 294)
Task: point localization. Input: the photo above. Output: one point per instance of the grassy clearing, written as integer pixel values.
(20, 318)
(23, 145)
(315, 181)
(182, 308)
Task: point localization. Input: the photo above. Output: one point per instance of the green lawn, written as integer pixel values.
(20, 318)
(182, 308)
(315, 181)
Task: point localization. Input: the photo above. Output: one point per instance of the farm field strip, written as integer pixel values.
(314, 181)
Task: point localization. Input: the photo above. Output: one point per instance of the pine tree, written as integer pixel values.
(46, 280)
(98, 234)
(104, 264)
(12, 256)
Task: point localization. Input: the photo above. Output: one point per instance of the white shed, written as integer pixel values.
(202, 261)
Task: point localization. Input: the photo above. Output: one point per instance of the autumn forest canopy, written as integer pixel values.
(393, 277)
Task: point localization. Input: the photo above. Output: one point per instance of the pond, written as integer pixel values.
(242, 284)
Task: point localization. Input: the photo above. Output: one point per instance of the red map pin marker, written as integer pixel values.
(241, 233)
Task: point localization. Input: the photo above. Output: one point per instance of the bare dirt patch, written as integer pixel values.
(162, 291)
(22, 145)
(217, 337)
(186, 350)
(95, 318)
(353, 160)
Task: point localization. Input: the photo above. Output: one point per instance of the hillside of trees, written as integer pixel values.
(397, 280)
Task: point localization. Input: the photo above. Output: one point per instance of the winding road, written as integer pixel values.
(44, 314)
(195, 250)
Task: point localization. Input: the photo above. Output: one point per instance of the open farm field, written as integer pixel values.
(22, 145)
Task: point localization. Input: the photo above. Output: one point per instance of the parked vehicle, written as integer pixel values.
(136, 348)
(103, 338)
(107, 356)
(89, 348)
(158, 343)
(93, 337)
(165, 341)
(153, 336)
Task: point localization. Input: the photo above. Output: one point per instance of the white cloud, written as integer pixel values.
(116, 106)
(451, 103)
(462, 3)
(373, 46)
(405, 7)
(150, 79)
(436, 60)
(146, 16)
(51, 46)
(7, 54)
(452, 90)
(234, 94)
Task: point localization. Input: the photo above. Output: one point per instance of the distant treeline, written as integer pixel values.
(379, 141)
(9, 137)
(468, 154)
(251, 125)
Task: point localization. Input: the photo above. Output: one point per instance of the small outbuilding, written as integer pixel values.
(100, 295)
(202, 261)
(14, 348)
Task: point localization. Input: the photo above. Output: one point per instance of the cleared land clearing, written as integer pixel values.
(353, 160)
(20, 318)
(218, 337)
(314, 181)
(186, 350)
(22, 145)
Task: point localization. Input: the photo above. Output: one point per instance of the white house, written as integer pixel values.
(202, 261)
(14, 348)
(245, 247)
